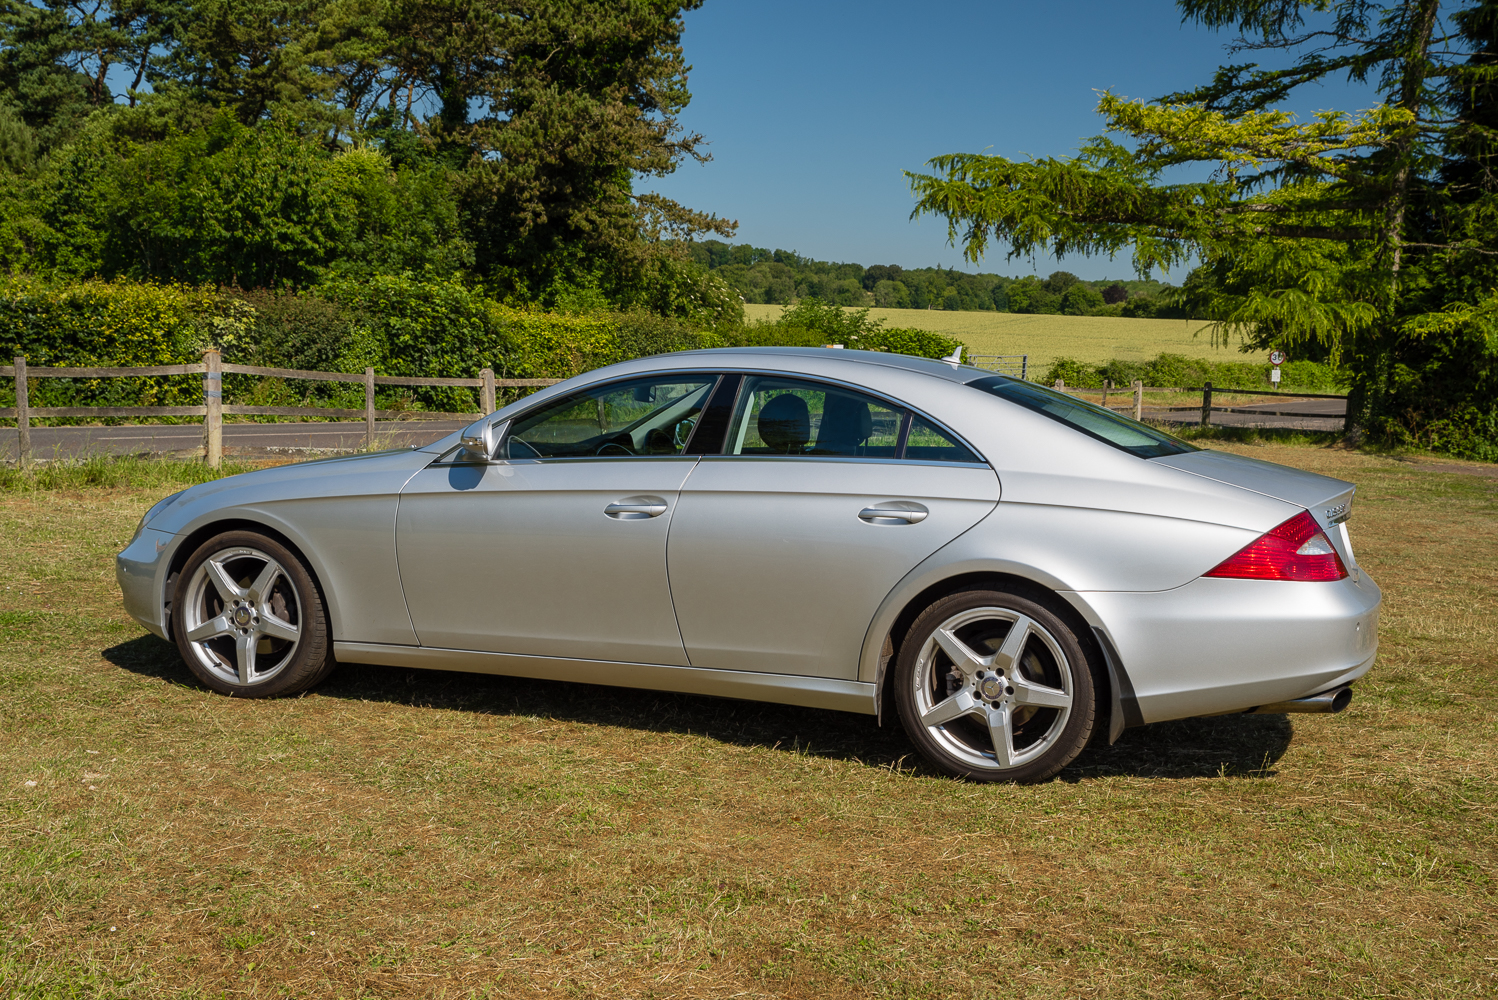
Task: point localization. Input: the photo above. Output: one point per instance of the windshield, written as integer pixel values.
(1093, 420)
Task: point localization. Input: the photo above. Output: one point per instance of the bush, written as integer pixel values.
(1177, 370)
(101, 324)
(397, 325)
(813, 323)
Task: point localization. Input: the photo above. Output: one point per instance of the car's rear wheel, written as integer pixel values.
(248, 618)
(993, 686)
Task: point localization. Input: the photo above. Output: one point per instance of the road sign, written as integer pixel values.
(1276, 357)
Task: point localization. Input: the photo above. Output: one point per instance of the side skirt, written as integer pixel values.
(786, 689)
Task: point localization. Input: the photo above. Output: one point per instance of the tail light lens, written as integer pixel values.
(1296, 550)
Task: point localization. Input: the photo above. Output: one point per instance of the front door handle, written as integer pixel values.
(895, 510)
(635, 508)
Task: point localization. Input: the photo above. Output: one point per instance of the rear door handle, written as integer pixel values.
(895, 510)
(635, 508)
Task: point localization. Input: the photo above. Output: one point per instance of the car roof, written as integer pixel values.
(925, 366)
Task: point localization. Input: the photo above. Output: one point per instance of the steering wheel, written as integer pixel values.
(621, 445)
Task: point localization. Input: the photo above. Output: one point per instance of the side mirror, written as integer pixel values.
(479, 439)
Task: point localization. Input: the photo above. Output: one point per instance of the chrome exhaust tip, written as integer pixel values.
(1327, 701)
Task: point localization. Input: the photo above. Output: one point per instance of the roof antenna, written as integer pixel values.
(955, 358)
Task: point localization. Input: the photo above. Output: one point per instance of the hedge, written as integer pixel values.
(398, 325)
(1177, 370)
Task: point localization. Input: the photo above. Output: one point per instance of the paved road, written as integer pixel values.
(239, 439)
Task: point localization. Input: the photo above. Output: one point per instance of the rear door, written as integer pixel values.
(783, 546)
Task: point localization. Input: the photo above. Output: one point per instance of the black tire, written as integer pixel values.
(1049, 702)
(251, 644)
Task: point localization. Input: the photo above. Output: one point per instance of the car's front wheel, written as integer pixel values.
(993, 686)
(249, 619)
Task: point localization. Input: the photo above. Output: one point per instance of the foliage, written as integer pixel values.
(259, 144)
(1178, 370)
(113, 472)
(397, 325)
(99, 324)
(814, 323)
(1338, 232)
(784, 277)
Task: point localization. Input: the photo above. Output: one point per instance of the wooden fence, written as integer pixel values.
(1137, 389)
(213, 408)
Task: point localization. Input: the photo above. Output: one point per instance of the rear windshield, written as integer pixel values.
(1094, 421)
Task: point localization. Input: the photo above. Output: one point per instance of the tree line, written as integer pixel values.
(784, 276)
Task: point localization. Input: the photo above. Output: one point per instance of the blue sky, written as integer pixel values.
(813, 110)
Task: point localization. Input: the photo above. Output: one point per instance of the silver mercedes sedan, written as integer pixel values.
(1007, 570)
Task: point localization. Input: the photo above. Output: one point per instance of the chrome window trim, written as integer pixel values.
(718, 375)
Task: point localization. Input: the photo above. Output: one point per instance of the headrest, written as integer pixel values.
(845, 420)
(785, 424)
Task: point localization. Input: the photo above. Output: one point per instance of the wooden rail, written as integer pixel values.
(1138, 389)
(213, 408)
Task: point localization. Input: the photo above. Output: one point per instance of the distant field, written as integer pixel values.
(1046, 338)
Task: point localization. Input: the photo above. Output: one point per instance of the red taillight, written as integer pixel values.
(1296, 550)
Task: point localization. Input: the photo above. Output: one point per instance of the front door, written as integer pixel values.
(783, 547)
(558, 547)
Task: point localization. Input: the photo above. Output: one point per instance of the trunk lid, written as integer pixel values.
(1329, 500)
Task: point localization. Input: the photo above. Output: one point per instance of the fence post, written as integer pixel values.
(23, 415)
(369, 409)
(1207, 404)
(1107, 385)
(1138, 400)
(1060, 385)
(1024, 367)
(486, 391)
(213, 401)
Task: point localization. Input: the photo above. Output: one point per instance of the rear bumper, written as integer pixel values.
(1215, 646)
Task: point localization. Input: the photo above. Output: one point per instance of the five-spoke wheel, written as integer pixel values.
(995, 687)
(248, 618)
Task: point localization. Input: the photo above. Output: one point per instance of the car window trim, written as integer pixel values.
(720, 374)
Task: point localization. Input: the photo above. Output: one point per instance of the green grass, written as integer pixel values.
(114, 472)
(411, 834)
(1095, 339)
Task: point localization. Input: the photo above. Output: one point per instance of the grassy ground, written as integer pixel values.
(1093, 339)
(411, 834)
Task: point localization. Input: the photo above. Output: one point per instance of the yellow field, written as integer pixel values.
(1046, 338)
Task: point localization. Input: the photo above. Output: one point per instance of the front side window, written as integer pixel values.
(1094, 421)
(647, 416)
(781, 416)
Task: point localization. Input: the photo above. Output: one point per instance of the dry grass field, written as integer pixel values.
(411, 834)
(1046, 338)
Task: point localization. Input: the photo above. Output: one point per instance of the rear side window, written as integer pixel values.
(1094, 421)
(775, 415)
(929, 443)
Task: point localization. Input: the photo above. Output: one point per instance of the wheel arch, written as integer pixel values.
(892, 624)
(193, 540)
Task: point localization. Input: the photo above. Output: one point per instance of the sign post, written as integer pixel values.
(1276, 358)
